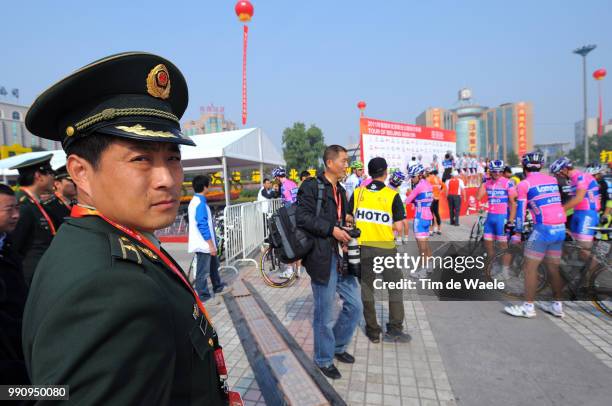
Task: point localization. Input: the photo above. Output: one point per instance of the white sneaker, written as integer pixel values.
(419, 274)
(405, 240)
(398, 241)
(287, 274)
(556, 309)
(501, 272)
(520, 311)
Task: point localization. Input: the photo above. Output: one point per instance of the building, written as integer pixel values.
(554, 150)
(14, 137)
(212, 120)
(579, 130)
(497, 132)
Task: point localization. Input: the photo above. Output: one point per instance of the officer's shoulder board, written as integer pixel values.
(125, 249)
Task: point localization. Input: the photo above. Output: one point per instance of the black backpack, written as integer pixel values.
(292, 242)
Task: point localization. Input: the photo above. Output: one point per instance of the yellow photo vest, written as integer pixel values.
(373, 214)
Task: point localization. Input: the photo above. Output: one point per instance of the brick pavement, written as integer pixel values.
(385, 373)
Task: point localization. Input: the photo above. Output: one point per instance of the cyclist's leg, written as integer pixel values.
(489, 235)
(579, 228)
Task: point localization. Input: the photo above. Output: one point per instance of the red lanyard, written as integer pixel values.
(42, 211)
(61, 199)
(338, 201)
(80, 211)
(234, 398)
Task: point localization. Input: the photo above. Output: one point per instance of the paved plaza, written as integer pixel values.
(462, 353)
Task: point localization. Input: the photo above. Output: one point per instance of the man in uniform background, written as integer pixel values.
(64, 197)
(35, 229)
(110, 313)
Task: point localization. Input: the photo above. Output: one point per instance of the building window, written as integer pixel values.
(16, 115)
(14, 131)
(1, 113)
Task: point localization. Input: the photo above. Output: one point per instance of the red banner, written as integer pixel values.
(393, 129)
(468, 206)
(522, 130)
(472, 139)
(244, 79)
(436, 118)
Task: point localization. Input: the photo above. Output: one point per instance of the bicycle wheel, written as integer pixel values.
(600, 287)
(476, 235)
(514, 280)
(275, 273)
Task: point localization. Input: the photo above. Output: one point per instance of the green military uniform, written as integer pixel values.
(105, 315)
(33, 233)
(57, 208)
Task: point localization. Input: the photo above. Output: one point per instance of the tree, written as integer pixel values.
(302, 149)
(596, 145)
(513, 159)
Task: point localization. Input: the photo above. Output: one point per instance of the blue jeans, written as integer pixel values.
(207, 265)
(332, 338)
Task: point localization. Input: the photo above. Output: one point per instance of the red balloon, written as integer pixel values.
(599, 74)
(244, 10)
(361, 105)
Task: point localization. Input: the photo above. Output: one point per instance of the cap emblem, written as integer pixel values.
(158, 82)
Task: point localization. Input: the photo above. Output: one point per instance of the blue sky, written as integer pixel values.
(312, 61)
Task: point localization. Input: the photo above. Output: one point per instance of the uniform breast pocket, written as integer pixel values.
(202, 338)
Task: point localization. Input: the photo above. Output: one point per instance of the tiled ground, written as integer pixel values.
(589, 328)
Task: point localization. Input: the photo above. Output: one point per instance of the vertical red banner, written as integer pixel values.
(522, 130)
(244, 78)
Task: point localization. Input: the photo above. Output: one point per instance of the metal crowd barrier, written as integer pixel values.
(246, 228)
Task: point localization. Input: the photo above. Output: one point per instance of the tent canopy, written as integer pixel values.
(249, 147)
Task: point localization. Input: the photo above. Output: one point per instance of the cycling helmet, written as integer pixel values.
(416, 170)
(594, 169)
(357, 165)
(279, 171)
(533, 160)
(559, 164)
(496, 165)
(397, 177)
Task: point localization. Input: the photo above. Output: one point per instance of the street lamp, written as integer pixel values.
(583, 51)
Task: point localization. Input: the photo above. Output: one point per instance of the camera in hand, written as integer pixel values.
(354, 252)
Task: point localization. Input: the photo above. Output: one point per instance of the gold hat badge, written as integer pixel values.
(158, 82)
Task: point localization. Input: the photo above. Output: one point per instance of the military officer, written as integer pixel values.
(13, 293)
(110, 313)
(64, 197)
(35, 229)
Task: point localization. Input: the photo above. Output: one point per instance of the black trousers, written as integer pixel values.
(454, 207)
(435, 209)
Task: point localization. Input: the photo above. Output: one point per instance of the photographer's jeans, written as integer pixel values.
(333, 337)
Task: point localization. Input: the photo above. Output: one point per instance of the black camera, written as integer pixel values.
(354, 252)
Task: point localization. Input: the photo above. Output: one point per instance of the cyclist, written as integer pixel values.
(288, 188)
(539, 193)
(584, 200)
(396, 180)
(422, 196)
(288, 194)
(353, 181)
(501, 195)
(605, 188)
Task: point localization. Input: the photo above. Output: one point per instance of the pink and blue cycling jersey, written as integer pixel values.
(498, 193)
(422, 195)
(288, 191)
(585, 181)
(539, 193)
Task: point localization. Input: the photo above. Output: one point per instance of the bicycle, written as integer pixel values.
(477, 232)
(274, 272)
(514, 281)
(582, 280)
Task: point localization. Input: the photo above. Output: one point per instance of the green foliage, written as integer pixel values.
(302, 148)
(596, 145)
(513, 159)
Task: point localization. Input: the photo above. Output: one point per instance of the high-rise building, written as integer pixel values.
(579, 130)
(554, 150)
(212, 120)
(497, 132)
(14, 136)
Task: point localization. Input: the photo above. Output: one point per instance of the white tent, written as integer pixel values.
(230, 149)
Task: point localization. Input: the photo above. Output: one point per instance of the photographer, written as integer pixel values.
(324, 263)
(377, 239)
